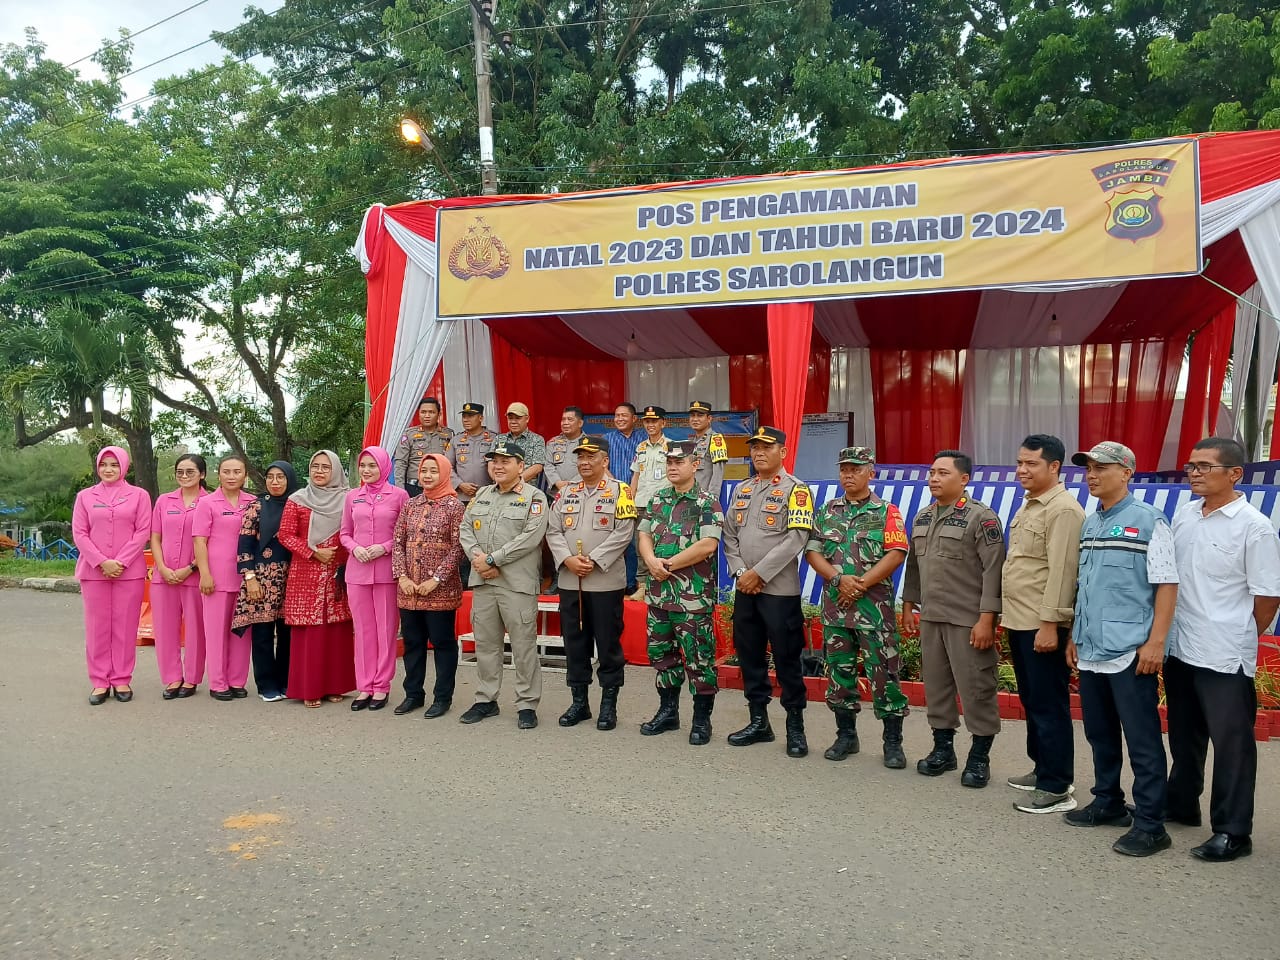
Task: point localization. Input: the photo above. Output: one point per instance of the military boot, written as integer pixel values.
(846, 736)
(894, 758)
(668, 715)
(608, 718)
(757, 729)
(943, 757)
(700, 729)
(977, 769)
(580, 709)
(797, 745)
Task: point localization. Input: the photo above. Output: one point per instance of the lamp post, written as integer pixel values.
(413, 133)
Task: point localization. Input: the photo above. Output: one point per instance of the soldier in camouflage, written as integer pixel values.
(679, 536)
(857, 543)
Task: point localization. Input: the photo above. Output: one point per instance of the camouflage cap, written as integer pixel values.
(681, 449)
(858, 456)
(506, 448)
(770, 435)
(590, 445)
(1108, 451)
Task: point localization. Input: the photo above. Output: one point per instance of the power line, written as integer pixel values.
(137, 33)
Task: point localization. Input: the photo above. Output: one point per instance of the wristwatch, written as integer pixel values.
(250, 575)
(489, 560)
(739, 572)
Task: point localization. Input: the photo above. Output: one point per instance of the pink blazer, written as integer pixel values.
(111, 524)
(173, 520)
(218, 520)
(369, 520)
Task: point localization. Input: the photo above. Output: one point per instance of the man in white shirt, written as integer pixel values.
(1229, 570)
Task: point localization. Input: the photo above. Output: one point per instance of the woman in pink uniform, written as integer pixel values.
(110, 525)
(216, 537)
(368, 528)
(175, 589)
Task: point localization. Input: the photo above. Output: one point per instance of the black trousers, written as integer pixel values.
(412, 488)
(601, 631)
(1124, 703)
(271, 656)
(760, 622)
(1043, 688)
(417, 627)
(1207, 706)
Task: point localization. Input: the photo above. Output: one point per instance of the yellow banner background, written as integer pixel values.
(1108, 214)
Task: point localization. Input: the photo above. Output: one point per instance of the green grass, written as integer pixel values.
(11, 566)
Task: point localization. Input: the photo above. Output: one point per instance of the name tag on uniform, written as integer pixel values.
(173, 512)
(359, 500)
(229, 513)
(659, 472)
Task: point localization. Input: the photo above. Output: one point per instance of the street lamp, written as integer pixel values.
(413, 134)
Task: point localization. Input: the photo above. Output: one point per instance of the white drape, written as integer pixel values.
(1011, 393)
(468, 373)
(672, 384)
(851, 392)
(657, 334)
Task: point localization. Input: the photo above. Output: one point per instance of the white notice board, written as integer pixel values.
(822, 437)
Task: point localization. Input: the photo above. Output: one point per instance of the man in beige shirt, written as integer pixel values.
(1038, 590)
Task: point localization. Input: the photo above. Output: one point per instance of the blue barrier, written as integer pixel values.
(58, 550)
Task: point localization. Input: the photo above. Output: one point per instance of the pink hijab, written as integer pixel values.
(383, 460)
(122, 457)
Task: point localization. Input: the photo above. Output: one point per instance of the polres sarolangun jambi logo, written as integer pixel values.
(479, 253)
(1133, 205)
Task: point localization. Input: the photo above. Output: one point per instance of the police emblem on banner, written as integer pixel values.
(480, 253)
(1133, 205)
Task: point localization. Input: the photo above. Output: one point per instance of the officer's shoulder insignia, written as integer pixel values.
(800, 508)
(718, 448)
(419, 435)
(447, 443)
(991, 530)
(404, 438)
(626, 508)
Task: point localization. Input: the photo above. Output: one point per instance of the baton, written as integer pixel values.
(579, 592)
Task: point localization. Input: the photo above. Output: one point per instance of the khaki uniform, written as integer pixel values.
(414, 445)
(469, 464)
(561, 463)
(1039, 577)
(953, 575)
(650, 470)
(509, 527)
(713, 454)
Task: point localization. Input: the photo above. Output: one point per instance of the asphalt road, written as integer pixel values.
(194, 828)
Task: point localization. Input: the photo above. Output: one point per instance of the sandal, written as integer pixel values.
(313, 704)
(335, 697)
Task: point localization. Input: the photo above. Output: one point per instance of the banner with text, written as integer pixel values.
(1110, 214)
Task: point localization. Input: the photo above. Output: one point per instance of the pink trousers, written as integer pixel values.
(228, 655)
(111, 612)
(376, 617)
(177, 619)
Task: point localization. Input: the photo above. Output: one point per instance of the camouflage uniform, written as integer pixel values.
(853, 537)
(681, 607)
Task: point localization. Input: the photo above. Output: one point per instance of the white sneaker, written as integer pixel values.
(1025, 782)
(1042, 801)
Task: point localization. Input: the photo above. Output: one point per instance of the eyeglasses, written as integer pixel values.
(317, 468)
(1193, 468)
(186, 473)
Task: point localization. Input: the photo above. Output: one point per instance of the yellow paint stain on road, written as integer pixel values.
(249, 856)
(247, 847)
(248, 821)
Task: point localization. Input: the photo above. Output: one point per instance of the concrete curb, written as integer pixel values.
(55, 584)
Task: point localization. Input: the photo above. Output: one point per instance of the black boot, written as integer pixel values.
(757, 729)
(668, 715)
(977, 769)
(579, 710)
(797, 745)
(894, 758)
(846, 736)
(608, 718)
(943, 757)
(700, 729)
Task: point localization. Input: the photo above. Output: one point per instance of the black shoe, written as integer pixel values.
(700, 728)
(1222, 847)
(1142, 843)
(1183, 819)
(98, 699)
(378, 704)
(239, 692)
(1096, 815)
(668, 715)
(894, 758)
(608, 718)
(579, 710)
(977, 769)
(846, 744)
(221, 694)
(757, 729)
(170, 693)
(526, 719)
(943, 756)
(479, 711)
(438, 708)
(184, 692)
(408, 705)
(123, 696)
(797, 745)
(360, 703)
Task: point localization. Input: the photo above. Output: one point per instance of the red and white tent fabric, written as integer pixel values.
(918, 372)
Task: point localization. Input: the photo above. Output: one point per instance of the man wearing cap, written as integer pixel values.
(857, 543)
(711, 450)
(533, 444)
(502, 533)
(560, 465)
(430, 436)
(1127, 589)
(953, 575)
(592, 522)
(765, 528)
(649, 469)
(679, 536)
(470, 468)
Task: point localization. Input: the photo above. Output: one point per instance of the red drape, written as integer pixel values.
(1208, 368)
(1224, 332)
(1126, 394)
(790, 350)
(385, 284)
(918, 397)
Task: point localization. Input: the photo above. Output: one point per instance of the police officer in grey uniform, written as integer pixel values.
(470, 468)
(502, 532)
(765, 528)
(560, 466)
(953, 575)
(592, 522)
(710, 449)
(430, 436)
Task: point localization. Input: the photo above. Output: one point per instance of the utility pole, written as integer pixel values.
(482, 23)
